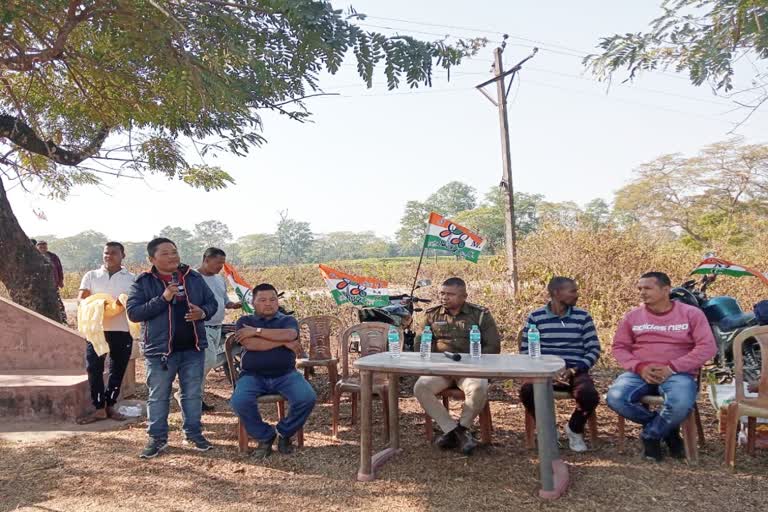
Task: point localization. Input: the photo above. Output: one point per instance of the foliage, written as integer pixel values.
(294, 240)
(703, 37)
(716, 199)
(606, 262)
(150, 75)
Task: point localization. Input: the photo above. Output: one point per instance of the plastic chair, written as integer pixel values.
(752, 408)
(486, 423)
(315, 333)
(530, 423)
(373, 340)
(233, 351)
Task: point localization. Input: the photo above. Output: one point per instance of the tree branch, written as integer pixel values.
(27, 60)
(25, 137)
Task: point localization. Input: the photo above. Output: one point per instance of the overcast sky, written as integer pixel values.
(368, 151)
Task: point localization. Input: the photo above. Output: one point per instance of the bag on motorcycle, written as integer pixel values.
(761, 312)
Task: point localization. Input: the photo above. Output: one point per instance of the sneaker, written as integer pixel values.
(447, 440)
(263, 449)
(652, 450)
(575, 441)
(467, 442)
(200, 444)
(153, 449)
(675, 445)
(284, 445)
(207, 407)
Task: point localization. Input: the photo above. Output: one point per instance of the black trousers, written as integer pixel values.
(120, 345)
(583, 389)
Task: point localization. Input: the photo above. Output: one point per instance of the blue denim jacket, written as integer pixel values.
(146, 305)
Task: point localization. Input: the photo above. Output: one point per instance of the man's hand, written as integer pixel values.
(233, 305)
(295, 346)
(648, 374)
(656, 373)
(564, 376)
(662, 373)
(245, 332)
(170, 292)
(194, 314)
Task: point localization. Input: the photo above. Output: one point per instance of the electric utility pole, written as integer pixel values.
(502, 93)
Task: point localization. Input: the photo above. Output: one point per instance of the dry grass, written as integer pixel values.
(101, 471)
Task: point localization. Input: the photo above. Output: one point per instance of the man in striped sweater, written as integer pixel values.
(567, 332)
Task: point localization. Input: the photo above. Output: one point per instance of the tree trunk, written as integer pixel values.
(26, 274)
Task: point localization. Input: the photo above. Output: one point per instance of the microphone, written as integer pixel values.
(452, 355)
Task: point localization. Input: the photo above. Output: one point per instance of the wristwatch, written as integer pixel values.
(258, 331)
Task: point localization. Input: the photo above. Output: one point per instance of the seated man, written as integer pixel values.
(567, 332)
(662, 345)
(270, 340)
(450, 324)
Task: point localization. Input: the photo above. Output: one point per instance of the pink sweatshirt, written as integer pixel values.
(680, 338)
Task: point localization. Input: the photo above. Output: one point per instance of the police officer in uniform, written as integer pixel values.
(450, 323)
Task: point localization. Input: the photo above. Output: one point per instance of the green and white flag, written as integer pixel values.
(356, 290)
(445, 235)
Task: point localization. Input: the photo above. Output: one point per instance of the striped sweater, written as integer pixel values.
(572, 336)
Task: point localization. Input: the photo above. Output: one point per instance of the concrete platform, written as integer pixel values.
(47, 395)
(20, 431)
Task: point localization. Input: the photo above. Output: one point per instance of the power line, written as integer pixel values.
(542, 45)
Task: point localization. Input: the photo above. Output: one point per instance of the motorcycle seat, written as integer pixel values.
(736, 321)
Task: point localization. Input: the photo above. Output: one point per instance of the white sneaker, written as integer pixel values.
(575, 441)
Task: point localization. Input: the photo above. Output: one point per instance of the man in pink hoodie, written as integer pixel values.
(662, 344)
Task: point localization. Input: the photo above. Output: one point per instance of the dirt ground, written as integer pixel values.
(101, 471)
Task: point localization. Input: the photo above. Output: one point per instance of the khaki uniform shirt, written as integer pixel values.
(451, 333)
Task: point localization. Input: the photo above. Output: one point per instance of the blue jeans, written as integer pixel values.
(296, 390)
(188, 365)
(679, 392)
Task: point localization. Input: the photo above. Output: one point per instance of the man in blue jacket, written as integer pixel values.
(172, 302)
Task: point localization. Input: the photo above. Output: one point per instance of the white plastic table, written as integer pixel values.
(540, 372)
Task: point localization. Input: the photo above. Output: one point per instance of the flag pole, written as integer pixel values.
(418, 268)
(421, 258)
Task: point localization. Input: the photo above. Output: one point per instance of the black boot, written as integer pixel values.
(675, 444)
(467, 442)
(652, 450)
(284, 445)
(448, 440)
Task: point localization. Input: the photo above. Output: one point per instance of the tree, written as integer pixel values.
(713, 197)
(346, 245)
(703, 37)
(80, 252)
(566, 214)
(189, 250)
(413, 225)
(94, 88)
(488, 218)
(212, 233)
(294, 239)
(452, 198)
(448, 200)
(258, 249)
(596, 214)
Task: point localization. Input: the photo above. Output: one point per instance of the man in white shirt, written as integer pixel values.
(112, 279)
(213, 262)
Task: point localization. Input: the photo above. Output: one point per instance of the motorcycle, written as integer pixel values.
(399, 313)
(727, 320)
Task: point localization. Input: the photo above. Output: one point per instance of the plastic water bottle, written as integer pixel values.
(393, 341)
(475, 351)
(534, 341)
(426, 343)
